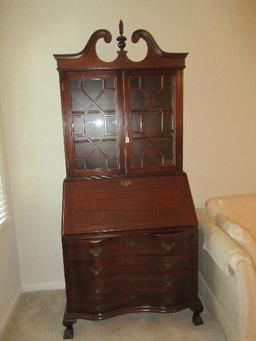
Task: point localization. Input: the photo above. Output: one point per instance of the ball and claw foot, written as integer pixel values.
(68, 333)
(197, 320)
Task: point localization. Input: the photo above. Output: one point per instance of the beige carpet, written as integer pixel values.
(38, 317)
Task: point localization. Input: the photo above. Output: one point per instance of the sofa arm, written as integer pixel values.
(224, 251)
(231, 259)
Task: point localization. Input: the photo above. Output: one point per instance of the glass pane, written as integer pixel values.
(152, 158)
(136, 122)
(78, 125)
(83, 149)
(138, 99)
(94, 119)
(111, 125)
(108, 148)
(152, 120)
(92, 87)
(80, 102)
(151, 85)
(96, 160)
(152, 123)
(109, 83)
(107, 100)
(164, 99)
(94, 125)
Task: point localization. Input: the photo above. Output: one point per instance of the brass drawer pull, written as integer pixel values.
(168, 246)
(131, 242)
(97, 290)
(167, 266)
(95, 251)
(130, 261)
(168, 283)
(98, 306)
(133, 297)
(132, 279)
(96, 270)
(169, 300)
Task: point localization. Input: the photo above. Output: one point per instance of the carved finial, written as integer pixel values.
(121, 39)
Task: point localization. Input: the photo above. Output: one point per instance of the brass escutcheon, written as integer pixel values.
(126, 183)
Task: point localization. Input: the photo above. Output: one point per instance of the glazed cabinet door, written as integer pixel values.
(153, 114)
(91, 104)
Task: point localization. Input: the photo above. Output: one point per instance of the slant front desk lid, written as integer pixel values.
(129, 203)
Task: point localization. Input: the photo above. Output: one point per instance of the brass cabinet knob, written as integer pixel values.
(168, 246)
(131, 242)
(96, 270)
(95, 250)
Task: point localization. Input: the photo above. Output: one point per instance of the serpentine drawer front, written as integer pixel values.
(141, 269)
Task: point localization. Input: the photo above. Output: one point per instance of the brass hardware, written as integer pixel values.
(95, 251)
(126, 183)
(127, 140)
(167, 266)
(97, 290)
(168, 246)
(131, 242)
(131, 279)
(98, 306)
(130, 261)
(168, 283)
(96, 270)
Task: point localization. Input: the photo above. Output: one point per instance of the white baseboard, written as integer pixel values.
(43, 286)
(217, 310)
(10, 312)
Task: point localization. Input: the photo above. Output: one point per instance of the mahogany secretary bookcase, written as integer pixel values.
(129, 229)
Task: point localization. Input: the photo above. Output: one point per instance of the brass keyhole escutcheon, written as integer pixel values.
(126, 183)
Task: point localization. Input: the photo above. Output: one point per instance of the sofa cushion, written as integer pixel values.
(239, 234)
(240, 209)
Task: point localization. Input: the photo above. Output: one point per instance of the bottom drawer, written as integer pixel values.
(121, 298)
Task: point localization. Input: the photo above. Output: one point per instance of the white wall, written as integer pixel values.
(10, 283)
(219, 102)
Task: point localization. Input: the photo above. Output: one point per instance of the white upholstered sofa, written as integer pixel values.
(227, 263)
